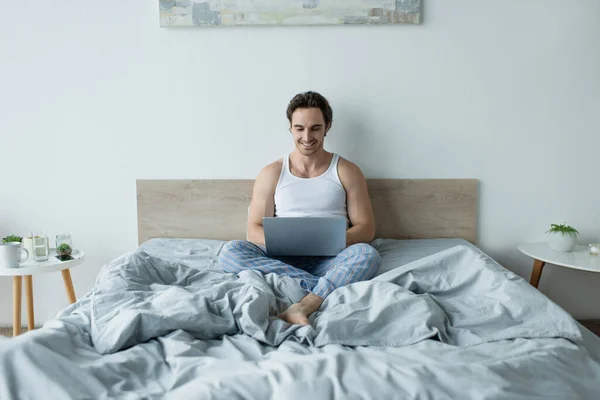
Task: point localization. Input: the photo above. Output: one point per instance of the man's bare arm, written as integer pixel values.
(263, 204)
(358, 204)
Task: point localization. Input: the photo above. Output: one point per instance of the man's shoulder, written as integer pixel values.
(272, 171)
(350, 174)
(274, 167)
(347, 167)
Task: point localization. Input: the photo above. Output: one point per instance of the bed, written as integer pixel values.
(441, 320)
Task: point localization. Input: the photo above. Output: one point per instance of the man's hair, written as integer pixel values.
(311, 100)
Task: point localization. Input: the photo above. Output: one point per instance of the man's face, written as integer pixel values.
(308, 128)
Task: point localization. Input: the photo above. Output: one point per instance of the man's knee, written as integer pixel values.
(236, 248)
(240, 246)
(370, 259)
(365, 250)
(230, 254)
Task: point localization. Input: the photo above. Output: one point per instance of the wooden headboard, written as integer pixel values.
(218, 209)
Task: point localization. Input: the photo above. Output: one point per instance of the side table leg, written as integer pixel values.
(538, 266)
(29, 302)
(17, 286)
(66, 274)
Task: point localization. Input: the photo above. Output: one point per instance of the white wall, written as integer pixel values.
(94, 95)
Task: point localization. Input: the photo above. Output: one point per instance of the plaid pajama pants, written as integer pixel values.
(318, 275)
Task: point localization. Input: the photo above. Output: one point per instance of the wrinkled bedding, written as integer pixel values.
(441, 320)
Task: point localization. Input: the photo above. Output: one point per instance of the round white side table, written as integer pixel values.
(30, 268)
(541, 253)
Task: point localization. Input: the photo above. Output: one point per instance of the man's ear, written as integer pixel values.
(327, 129)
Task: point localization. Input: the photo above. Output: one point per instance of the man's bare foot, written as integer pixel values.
(298, 313)
(295, 314)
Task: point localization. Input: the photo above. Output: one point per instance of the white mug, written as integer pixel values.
(11, 255)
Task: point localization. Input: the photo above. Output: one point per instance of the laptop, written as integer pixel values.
(304, 236)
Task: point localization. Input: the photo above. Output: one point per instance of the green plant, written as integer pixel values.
(11, 238)
(563, 229)
(64, 249)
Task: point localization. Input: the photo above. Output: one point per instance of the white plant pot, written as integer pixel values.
(562, 242)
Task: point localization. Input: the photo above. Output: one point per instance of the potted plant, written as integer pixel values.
(562, 237)
(12, 238)
(64, 250)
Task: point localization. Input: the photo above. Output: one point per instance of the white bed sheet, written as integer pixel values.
(61, 358)
(203, 254)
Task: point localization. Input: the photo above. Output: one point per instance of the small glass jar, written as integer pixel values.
(64, 245)
(594, 249)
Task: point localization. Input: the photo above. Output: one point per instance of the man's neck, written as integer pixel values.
(312, 162)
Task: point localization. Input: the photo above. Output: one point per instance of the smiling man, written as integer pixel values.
(309, 182)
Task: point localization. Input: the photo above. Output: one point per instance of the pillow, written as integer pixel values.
(201, 254)
(396, 253)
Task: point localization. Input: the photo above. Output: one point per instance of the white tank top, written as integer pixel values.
(322, 196)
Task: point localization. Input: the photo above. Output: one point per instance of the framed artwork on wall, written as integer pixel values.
(220, 13)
